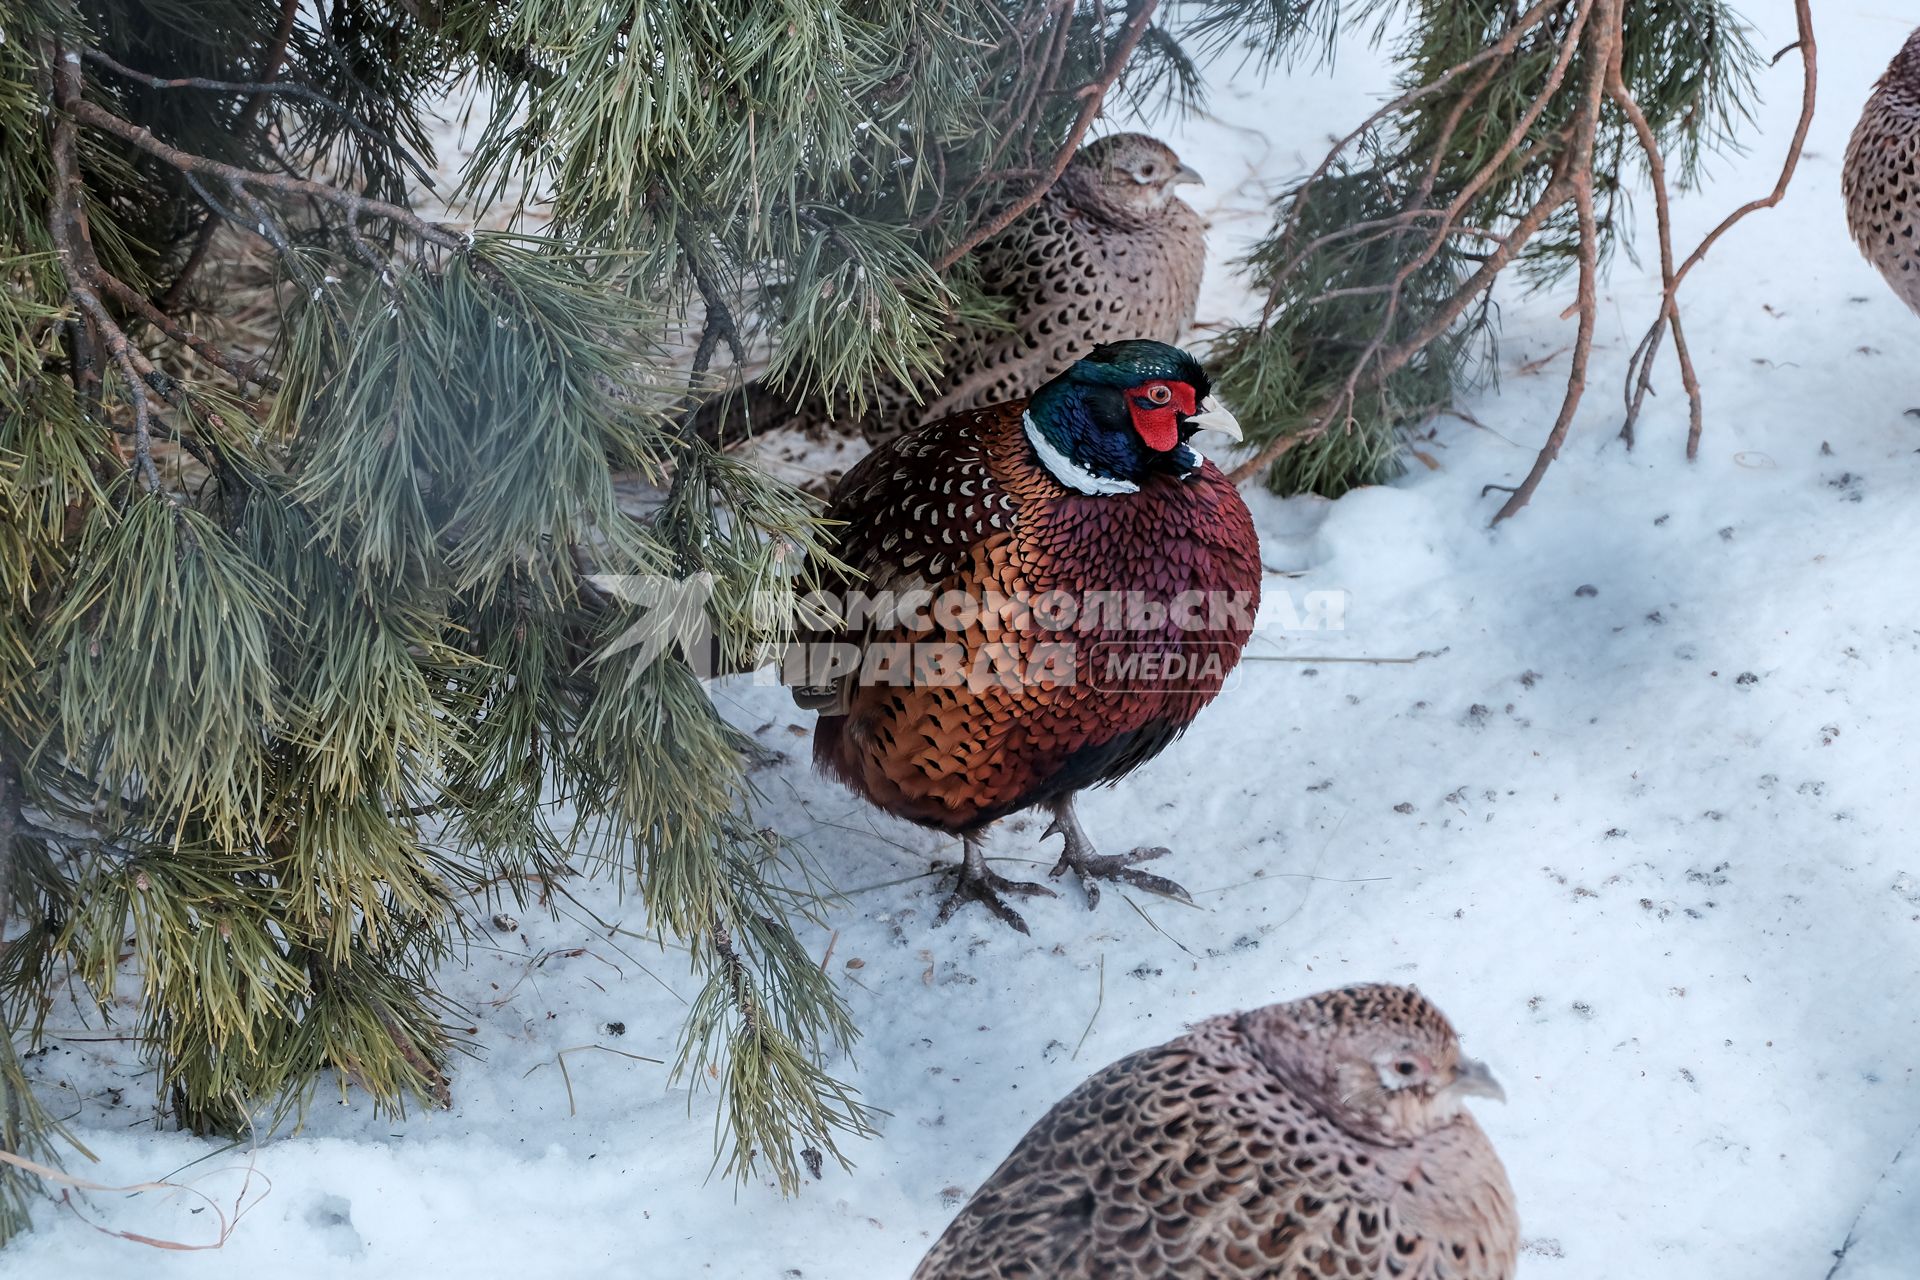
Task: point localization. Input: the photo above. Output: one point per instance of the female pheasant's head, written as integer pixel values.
(1125, 178)
(1379, 1060)
(1123, 415)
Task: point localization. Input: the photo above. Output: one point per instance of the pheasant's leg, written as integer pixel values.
(977, 884)
(1095, 866)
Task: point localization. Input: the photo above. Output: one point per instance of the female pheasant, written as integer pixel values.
(1052, 590)
(1110, 252)
(1324, 1137)
(1879, 180)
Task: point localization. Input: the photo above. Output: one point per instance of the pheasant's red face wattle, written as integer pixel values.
(1156, 408)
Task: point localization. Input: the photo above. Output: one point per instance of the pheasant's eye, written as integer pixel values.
(1160, 394)
(1405, 1067)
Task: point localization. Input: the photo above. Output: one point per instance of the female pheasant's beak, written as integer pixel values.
(1213, 416)
(1471, 1079)
(1185, 173)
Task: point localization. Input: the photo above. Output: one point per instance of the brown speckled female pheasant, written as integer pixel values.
(1109, 253)
(1325, 1137)
(1092, 581)
(1881, 179)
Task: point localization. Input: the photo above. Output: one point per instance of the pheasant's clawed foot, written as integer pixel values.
(977, 884)
(1094, 866)
(1119, 866)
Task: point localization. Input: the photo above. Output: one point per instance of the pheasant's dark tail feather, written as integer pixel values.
(732, 415)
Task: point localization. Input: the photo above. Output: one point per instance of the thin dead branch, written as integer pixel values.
(1639, 368)
(1603, 36)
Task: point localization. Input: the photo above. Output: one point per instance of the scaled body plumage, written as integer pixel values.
(1109, 253)
(1324, 1137)
(1085, 531)
(1881, 177)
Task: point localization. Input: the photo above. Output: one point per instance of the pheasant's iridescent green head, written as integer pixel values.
(1123, 415)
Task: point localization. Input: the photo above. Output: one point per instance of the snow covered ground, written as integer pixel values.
(1639, 814)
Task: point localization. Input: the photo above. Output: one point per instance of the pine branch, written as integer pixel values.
(276, 56)
(1376, 290)
(68, 226)
(1383, 363)
(242, 374)
(718, 324)
(247, 180)
(261, 90)
(1092, 97)
(1488, 60)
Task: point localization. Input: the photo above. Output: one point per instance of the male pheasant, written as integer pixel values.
(1109, 253)
(1881, 178)
(1087, 581)
(1325, 1137)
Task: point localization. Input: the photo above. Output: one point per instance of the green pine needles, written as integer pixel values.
(296, 657)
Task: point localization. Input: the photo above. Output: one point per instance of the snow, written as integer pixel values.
(1635, 807)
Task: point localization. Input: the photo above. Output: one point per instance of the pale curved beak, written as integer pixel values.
(1471, 1079)
(1213, 416)
(1185, 173)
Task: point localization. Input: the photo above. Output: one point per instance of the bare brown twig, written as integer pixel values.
(1637, 388)
(1603, 37)
(241, 373)
(1638, 375)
